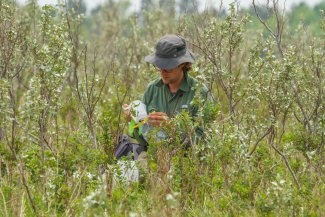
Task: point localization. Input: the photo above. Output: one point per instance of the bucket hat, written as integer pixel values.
(171, 51)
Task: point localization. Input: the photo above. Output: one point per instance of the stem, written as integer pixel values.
(4, 203)
(283, 157)
(258, 141)
(21, 170)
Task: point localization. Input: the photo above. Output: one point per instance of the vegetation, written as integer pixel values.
(64, 77)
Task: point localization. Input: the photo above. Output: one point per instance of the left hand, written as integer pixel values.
(127, 112)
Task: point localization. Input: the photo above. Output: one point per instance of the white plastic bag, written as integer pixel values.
(138, 111)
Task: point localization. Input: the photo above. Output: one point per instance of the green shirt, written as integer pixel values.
(158, 97)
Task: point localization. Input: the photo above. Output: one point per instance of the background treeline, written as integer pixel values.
(297, 14)
(64, 76)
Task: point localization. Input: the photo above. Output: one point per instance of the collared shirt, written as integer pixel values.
(158, 97)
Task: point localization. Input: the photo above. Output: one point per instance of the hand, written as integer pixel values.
(127, 111)
(158, 119)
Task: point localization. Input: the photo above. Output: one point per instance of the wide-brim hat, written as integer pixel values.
(171, 51)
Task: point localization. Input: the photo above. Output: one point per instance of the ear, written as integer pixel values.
(183, 65)
(187, 66)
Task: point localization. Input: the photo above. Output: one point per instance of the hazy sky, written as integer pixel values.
(204, 3)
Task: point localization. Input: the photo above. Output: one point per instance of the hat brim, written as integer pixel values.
(170, 63)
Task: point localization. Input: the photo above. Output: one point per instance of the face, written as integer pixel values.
(172, 76)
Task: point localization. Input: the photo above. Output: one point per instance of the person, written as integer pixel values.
(174, 91)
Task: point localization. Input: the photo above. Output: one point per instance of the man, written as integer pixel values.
(174, 91)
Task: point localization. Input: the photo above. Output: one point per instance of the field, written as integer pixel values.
(64, 77)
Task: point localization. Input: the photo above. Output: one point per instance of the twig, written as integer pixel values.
(21, 170)
(262, 21)
(258, 141)
(283, 157)
(277, 34)
(306, 119)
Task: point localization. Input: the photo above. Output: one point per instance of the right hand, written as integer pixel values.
(158, 119)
